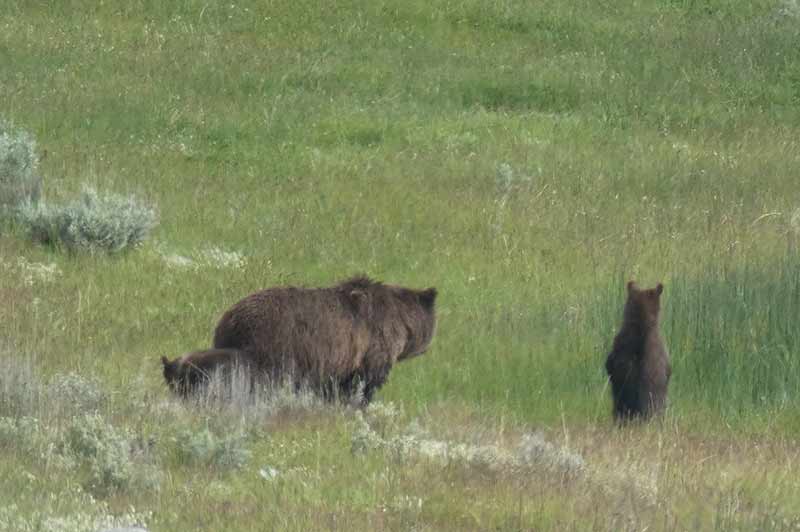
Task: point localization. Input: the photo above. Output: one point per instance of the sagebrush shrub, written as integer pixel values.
(94, 222)
(105, 449)
(74, 393)
(19, 182)
(788, 9)
(377, 428)
(204, 447)
(533, 450)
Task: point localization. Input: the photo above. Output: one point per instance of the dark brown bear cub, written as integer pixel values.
(337, 340)
(638, 364)
(189, 373)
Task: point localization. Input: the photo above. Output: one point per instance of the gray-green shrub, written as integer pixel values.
(74, 393)
(205, 447)
(106, 451)
(94, 222)
(19, 182)
(377, 427)
(104, 447)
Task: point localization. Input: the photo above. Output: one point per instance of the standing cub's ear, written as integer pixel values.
(164, 361)
(631, 286)
(428, 297)
(659, 288)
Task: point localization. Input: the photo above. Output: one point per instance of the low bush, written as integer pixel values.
(105, 449)
(204, 447)
(19, 182)
(94, 222)
(73, 393)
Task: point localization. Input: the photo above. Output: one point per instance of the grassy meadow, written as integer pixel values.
(526, 158)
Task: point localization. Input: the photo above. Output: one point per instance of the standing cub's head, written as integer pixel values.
(643, 305)
(188, 373)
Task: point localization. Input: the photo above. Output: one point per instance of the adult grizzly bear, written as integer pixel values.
(333, 339)
(638, 364)
(189, 373)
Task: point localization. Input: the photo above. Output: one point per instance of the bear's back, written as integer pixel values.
(306, 328)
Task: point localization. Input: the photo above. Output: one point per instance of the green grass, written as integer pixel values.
(526, 158)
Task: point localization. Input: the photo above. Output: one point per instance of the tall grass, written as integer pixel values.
(736, 333)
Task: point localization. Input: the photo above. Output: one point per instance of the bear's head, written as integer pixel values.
(643, 305)
(420, 322)
(182, 377)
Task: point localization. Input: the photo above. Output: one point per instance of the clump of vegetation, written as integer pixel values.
(24, 393)
(374, 425)
(109, 454)
(104, 449)
(49, 514)
(77, 393)
(205, 447)
(534, 451)
(19, 182)
(30, 409)
(378, 428)
(94, 222)
(110, 222)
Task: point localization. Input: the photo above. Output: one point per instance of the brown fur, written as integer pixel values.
(332, 339)
(190, 372)
(638, 364)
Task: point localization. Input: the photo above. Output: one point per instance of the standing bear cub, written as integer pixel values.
(333, 339)
(638, 364)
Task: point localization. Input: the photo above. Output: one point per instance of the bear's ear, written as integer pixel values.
(659, 288)
(169, 370)
(357, 299)
(428, 297)
(631, 286)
